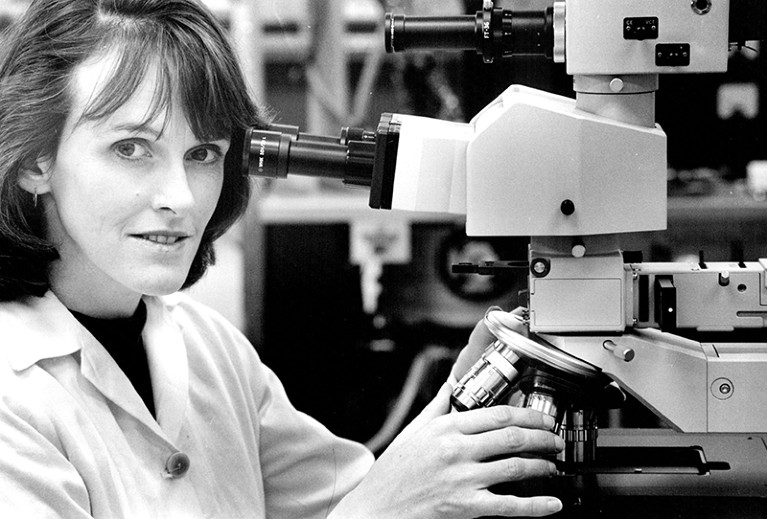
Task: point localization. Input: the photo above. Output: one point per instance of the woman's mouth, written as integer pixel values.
(161, 238)
(167, 239)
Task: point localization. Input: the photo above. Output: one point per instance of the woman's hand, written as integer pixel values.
(442, 464)
(479, 340)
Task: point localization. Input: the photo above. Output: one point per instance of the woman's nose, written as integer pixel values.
(171, 189)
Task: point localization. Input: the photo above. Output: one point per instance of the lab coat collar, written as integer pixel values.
(28, 326)
(42, 328)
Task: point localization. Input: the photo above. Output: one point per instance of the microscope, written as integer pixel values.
(687, 340)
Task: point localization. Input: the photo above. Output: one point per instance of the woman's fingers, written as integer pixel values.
(513, 506)
(509, 470)
(514, 440)
(492, 418)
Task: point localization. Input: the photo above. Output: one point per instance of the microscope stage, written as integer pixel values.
(664, 463)
(662, 474)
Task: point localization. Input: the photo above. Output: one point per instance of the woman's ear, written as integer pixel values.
(35, 176)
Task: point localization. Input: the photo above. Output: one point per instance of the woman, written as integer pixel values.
(121, 397)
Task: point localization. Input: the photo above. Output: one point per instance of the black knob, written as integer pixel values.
(567, 207)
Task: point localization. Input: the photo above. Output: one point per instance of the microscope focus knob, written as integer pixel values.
(578, 248)
(625, 354)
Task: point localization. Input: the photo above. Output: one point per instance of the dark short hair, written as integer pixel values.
(40, 52)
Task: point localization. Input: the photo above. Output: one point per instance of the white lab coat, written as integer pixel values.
(77, 441)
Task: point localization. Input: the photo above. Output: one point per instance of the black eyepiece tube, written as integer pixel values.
(491, 33)
(429, 32)
(531, 33)
(283, 150)
(358, 157)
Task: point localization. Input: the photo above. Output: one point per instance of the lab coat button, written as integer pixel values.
(177, 465)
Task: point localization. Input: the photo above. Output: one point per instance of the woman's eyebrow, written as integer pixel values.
(137, 128)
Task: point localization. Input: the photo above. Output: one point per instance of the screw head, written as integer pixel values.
(722, 388)
(540, 267)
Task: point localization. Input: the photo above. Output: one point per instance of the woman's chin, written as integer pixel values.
(162, 289)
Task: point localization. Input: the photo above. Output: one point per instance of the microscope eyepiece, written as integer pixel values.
(490, 32)
(428, 32)
(281, 150)
(356, 156)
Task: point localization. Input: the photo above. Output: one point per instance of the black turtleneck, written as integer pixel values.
(122, 339)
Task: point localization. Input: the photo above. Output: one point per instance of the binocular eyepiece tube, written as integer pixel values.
(282, 149)
(491, 33)
(356, 156)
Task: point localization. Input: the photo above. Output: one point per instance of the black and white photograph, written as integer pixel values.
(383, 259)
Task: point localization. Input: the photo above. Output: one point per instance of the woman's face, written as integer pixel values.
(128, 203)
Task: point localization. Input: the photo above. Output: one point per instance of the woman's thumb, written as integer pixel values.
(439, 405)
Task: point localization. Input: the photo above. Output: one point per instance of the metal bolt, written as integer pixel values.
(625, 354)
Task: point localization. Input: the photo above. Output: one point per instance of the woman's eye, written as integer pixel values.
(205, 155)
(131, 150)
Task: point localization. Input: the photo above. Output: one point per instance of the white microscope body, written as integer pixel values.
(574, 175)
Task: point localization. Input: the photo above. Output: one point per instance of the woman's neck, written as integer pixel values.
(104, 303)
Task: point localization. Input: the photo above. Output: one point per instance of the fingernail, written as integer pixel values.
(549, 422)
(553, 505)
(559, 443)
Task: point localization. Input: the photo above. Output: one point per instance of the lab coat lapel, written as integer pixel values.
(168, 366)
(45, 329)
(103, 372)
(42, 328)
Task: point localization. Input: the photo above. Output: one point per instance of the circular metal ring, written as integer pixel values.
(701, 6)
(504, 326)
(559, 32)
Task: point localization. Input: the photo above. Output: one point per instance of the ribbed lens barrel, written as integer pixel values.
(544, 403)
(489, 380)
(580, 435)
